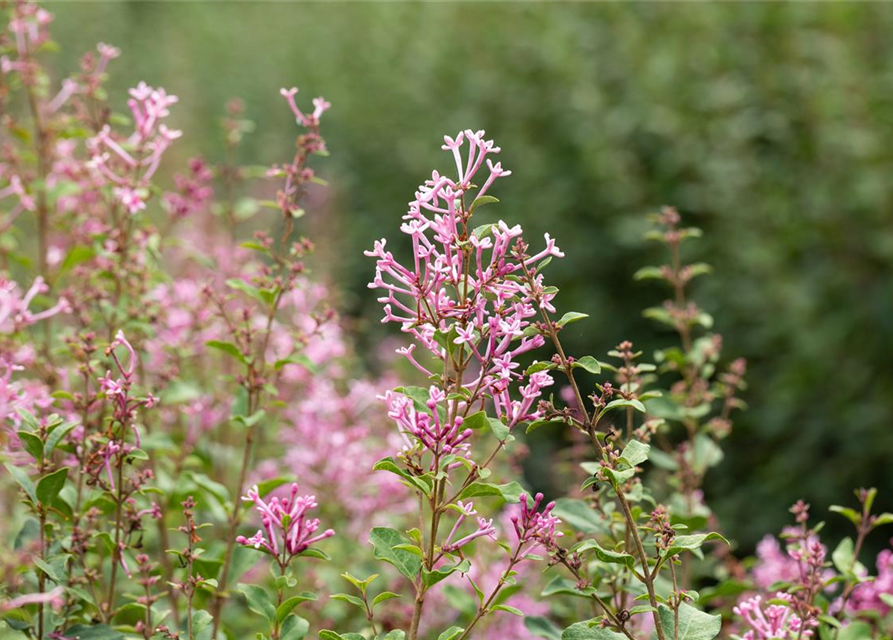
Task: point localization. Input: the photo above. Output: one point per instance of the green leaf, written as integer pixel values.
(618, 404)
(346, 597)
(850, 514)
(56, 436)
(843, 557)
(884, 518)
(384, 596)
(294, 628)
(510, 492)
(635, 452)
(394, 634)
(476, 421)
(259, 601)
(480, 201)
(579, 515)
(498, 429)
(451, 634)
(541, 366)
(605, 555)
(285, 608)
(693, 624)
(510, 609)
(229, 348)
(201, 620)
(23, 481)
(536, 424)
(31, 443)
(856, 631)
(96, 632)
(588, 363)
(649, 273)
(433, 577)
(571, 316)
(384, 540)
(692, 542)
(582, 631)
(424, 484)
(542, 627)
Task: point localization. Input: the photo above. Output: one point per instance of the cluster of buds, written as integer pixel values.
(435, 433)
(193, 190)
(536, 527)
(297, 173)
(287, 531)
(659, 523)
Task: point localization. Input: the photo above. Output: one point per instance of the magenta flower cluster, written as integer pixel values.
(287, 530)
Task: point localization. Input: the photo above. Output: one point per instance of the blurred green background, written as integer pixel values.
(768, 125)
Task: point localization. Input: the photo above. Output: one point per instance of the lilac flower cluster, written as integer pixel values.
(775, 621)
(461, 298)
(128, 164)
(287, 531)
(536, 527)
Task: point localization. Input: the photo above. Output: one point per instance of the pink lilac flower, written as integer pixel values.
(54, 598)
(287, 531)
(485, 528)
(472, 287)
(14, 307)
(775, 621)
(128, 164)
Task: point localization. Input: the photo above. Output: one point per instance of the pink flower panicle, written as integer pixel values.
(287, 531)
(775, 621)
(470, 292)
(129, 164)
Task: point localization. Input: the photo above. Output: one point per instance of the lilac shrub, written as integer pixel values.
(192, 449)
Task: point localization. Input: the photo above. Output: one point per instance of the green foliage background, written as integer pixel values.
(768, 125)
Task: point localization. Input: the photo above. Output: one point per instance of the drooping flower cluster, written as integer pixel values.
(467, 297)
(775, 621)
(287, 531)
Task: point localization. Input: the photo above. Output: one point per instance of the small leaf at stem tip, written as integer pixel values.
(571, 316)
(850, 514)
(383, 596)
(480, 201)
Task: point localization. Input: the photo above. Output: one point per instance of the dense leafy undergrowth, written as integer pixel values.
(193, 450)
